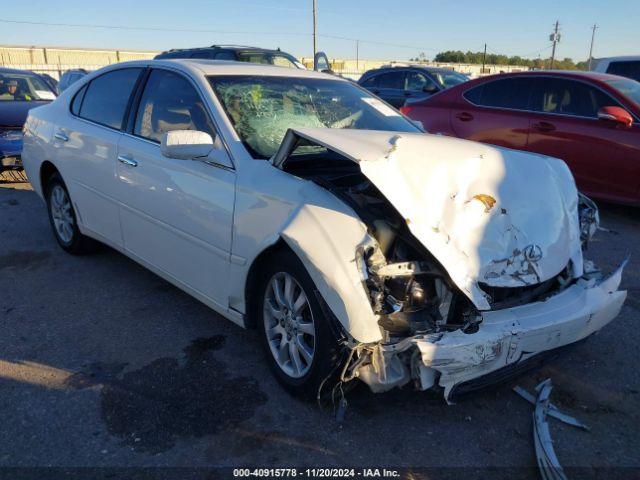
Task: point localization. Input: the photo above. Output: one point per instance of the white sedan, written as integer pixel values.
(299, 204)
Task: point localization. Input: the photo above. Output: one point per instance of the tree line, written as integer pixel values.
(457, 56)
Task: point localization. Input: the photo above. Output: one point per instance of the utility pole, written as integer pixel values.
(593, 35)
(555, 38)
(484, 58)
(315, 27)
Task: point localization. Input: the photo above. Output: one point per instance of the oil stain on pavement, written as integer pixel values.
(150, 408)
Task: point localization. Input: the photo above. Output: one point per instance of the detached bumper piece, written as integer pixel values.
(506, 342)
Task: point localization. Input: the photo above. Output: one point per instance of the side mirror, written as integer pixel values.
(430, 88)
(186, 144)
(616, 115)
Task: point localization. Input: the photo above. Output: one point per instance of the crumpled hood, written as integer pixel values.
(490, 215)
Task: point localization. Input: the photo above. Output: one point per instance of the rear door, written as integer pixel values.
(494, 112)
(86, 144)
(176, 215)
(603, 157)
(390, 87)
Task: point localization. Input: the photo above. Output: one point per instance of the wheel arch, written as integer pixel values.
(47, 169)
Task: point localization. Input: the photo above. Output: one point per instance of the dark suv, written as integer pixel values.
(237, 54)
(397, 85)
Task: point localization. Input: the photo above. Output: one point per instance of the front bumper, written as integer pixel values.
(507, 338)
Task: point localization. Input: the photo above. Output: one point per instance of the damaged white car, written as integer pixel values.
(298, 204)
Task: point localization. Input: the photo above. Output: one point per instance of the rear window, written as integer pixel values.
(625, 69)
(106, 98)
(510, 93)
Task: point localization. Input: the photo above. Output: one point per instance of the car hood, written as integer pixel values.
(14, 114)
(490, 215)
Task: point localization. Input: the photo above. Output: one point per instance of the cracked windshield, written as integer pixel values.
(262, 108)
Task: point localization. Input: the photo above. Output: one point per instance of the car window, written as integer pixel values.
(627, 87)
(370, 82)
(77, 101)
(279, 59)
(393, 80)
(23, 86)
(510, 93)
(106, 98)
(568, 97)
(169, 102)
(263, 108)
(625, 69)
(207, 54)
(226, 55)
(416, 81)
(449, 79)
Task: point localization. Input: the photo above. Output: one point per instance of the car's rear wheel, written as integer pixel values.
(299, 344)
(63, 218)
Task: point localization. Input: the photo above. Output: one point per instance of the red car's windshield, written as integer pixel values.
(627, 87)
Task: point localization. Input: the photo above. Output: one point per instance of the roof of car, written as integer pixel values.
(225, 67)
(14, 70)
(417, 67)
(245, 48)
(557, 73)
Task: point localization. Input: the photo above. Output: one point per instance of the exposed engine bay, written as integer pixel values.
(432, 331)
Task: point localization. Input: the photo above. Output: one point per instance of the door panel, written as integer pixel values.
(603, 157)
(177, 215)
(390, 88)
(86, 148)
(494, 112)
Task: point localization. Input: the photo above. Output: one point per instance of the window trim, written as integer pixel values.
(463, 95)
(88, 84)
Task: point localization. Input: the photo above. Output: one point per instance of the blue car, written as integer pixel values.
(399, 85)
(20, 91)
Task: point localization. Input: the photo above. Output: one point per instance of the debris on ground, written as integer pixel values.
(550, 468)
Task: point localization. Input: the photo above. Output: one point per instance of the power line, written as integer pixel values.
(227, 32)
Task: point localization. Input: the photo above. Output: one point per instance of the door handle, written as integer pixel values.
(61, 136)
(544, 126)
(127, 160)
(464, 116)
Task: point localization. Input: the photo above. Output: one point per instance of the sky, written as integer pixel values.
(386, 29)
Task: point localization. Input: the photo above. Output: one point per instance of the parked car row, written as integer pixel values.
(589, 120)
(300, 204)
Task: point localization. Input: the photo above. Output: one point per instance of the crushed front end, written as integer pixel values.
(433, 336)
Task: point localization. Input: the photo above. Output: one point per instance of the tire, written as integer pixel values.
(62, 218)
(295, 325)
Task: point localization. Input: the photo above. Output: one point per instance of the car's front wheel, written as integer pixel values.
(63, 218)
(300, 346)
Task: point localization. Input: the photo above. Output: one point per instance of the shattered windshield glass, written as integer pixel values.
(263, 108)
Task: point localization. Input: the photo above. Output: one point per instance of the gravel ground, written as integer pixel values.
(104, 364)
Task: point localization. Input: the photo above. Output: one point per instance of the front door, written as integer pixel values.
(176, 214)
(603, 157)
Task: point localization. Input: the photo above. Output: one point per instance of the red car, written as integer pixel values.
(590, 120)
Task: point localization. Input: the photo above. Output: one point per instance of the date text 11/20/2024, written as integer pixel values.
(316, 472)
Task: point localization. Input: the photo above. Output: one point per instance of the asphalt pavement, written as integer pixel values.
(104, 364)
